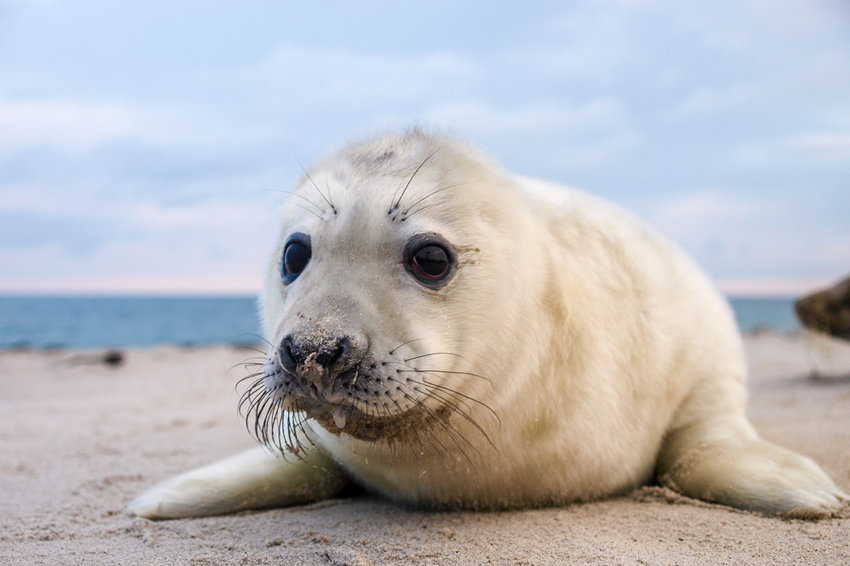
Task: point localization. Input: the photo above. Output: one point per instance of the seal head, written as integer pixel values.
(369, 295)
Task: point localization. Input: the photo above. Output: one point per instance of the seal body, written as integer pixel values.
(450, 335)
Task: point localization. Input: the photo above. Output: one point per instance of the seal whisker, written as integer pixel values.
(409, 211)
(415, 431)
(444, 397)
(435, 392)
(306, 431)
(319, 210)
(390, 440)
(450, 403)
(249, 399)
(273, 426)
(291, 424)
(258, 385)
(318, 190)
(451, 432)
(405, 344)
(261, 426)
(262, 339)
(254, 348)
(432, 193)
(394, 204)
(249, 377)
(262, 407)
(450, 390)
(436, 446)
(263, 355)
(451, 372)
(399, 407)
(434, 354)
(285, 440)
(289, 442)
(316, 214)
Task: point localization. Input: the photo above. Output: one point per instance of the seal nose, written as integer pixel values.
(319, 359)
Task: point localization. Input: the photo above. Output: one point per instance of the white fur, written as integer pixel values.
(606, 352)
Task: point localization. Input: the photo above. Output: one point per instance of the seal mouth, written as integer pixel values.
(380, 401)
(358, 410)
(359, 402)
(347, 418)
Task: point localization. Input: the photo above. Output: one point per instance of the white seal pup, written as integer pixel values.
(451, 336)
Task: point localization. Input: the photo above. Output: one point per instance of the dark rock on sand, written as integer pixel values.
(827, 311)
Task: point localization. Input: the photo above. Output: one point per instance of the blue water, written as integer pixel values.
(759, 314)
(97, 322)
(101, 322)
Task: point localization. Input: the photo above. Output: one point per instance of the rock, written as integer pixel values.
(827, 311)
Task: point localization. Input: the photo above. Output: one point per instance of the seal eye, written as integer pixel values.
(296, 256)
(430, 260)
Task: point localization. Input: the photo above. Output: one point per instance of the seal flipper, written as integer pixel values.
(723, 460)
(254, 479)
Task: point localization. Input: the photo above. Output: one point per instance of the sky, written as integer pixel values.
(146, 146)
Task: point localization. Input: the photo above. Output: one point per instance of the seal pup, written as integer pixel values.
(451, 336)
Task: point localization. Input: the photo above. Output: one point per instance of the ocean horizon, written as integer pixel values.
(93, 322)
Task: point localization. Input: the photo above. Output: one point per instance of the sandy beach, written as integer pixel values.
(79, 439)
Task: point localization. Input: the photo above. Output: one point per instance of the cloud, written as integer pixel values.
(544, 117)
(544, 136)
(741, 238)
(34, 229)
(68, 125)
(826, 147)
(824, 144)
(129, 267)
(708, 224)
(216, 245)
(712, 101)
(157, 146)
(317, 77)
(703, 206)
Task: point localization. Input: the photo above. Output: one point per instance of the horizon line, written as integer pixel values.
(779, 287)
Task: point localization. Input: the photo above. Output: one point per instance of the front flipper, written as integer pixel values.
(254, 479)
(723, 460)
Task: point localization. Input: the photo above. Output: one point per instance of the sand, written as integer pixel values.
(79, 440)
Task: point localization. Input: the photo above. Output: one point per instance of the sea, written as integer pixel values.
(80, 323)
